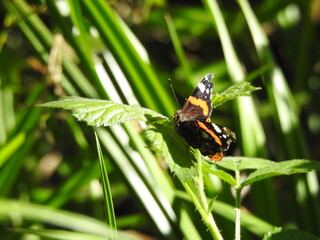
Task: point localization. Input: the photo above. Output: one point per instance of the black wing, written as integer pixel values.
(198, 105)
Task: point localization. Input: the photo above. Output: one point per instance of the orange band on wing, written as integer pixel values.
(201, 103)
(204, 127)
(217, 157)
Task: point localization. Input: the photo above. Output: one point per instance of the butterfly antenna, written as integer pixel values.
(174, 93)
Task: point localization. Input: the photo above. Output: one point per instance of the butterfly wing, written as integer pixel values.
(198, 105)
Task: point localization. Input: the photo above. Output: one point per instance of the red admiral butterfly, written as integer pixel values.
(193, 123)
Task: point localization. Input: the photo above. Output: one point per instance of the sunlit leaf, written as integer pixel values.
(97, 112)
(173, 149)
(282, 168)
(244, 163)
(238, 89)
(222, 174)
(263, 168)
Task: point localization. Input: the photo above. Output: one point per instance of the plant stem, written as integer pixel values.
(200, 200)
(207, 218)
(237, 207)
(200, 184)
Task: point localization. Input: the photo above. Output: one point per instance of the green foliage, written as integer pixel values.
(239, 89)
(263, 169)
(60, 218)
(124, 52)
(107, 194)
(289, 234)
(103, 112)
(63, 235)
(172, 148)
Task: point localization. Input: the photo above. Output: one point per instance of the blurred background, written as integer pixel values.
(126, 51)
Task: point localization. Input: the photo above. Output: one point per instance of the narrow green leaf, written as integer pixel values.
(238, 89)
(60, 234)
(68, 235)
(103, 112)
(253, 137)
(286, 112)
(11, 147)
(121, 43)
(82, 38)
(178, 47)
(52, 216)
(139, 183)
(107, 193)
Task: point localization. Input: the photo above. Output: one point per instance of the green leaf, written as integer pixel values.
(107, 193)
(289, 234)
(7, 150)
(97, 112)
(263, 168)
(238, 89)
(68, 235)
(173, 149)
(222, 174)
(60, 234)
(282, 168)
(244, 163)
(52, 216)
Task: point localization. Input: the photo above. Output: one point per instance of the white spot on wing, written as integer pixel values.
(218, 130)
(201, 87)
(209, 76)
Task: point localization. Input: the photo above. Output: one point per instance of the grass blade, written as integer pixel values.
(285, 107)
(178, 48)
(107, 193)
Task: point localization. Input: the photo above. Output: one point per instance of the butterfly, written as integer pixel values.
(194, 124)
